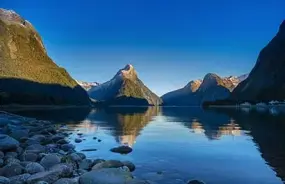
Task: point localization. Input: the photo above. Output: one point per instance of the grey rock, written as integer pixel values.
(30, 157)
(66, 181)
(4, 180)
(122, 149)
(20, 179)
(79, 172)
(137, 181)
(35, 148)
(77, 140)
(57, 137)
(7, 143)
(4, 121)
(75, 157)
(130, 165)
(41, 182)
(62, 141)
(1, 155)
(46, 176)
(34, 167)
(11, 161)
(82, 155)
(86, 164)
(39, 138)
(1, 162)
(67, 147)
(11, 154)
(63, 169)
(195, 182)
(18, 134)
(108, 164)
(85, 150)
(11, 170)
(50, 160)
(106, 176)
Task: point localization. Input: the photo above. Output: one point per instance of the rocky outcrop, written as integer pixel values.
(27, 74)
(125, 88)
(266, 81)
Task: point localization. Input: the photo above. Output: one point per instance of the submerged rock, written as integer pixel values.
(108, 164)
(106, 176)
(195, 182)
(122, 149)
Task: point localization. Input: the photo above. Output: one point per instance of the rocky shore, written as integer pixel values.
(37, 152)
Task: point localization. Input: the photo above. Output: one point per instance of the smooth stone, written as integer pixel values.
(47, 176)
(67, 147)
(41, 182)
(34, 167)
(77, 140)
(122, 149)
(1, 162)
(56, 138)
(1, 155)
(75, 157)
(11, 161)
(82, 155)
(79, 172)
(106, 176)
(39, 138)
(30, 157)
(35, 148)
(66, 181)
(130, 165)
(137, 181)
(97, 161)
(195, 182)
(63, 169)
(62, 141)
(87, 150)
(4, 180)
(30, 141)
(11, 170)
(11, 154)
(99, 140)
(108, 164)
(20, 179)
(7, 143)
(80, 134)
(50, 160)
(18, 134)
(86, 164)
(4, 121)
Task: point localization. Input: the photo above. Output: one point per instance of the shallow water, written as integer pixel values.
(174, 145)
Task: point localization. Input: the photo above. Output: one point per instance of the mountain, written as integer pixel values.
(212, 87)
(87, 85)
(27, 74)
(125, 88)
(266, 81)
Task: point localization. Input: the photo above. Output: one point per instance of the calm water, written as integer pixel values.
(174, 145)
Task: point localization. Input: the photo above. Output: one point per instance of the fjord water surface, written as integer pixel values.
(174, 145)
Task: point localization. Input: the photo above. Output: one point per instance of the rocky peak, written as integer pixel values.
(127, 72)
(10, 15)
(194, 85)
(282, 26)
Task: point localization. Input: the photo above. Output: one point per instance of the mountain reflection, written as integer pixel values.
(210, 124)
(267, 131)
(125, 123)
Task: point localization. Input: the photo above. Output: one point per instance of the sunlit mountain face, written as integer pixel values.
(182, 142)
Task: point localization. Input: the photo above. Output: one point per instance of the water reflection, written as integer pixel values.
(219, 146)
(268, 132)
(125, 123)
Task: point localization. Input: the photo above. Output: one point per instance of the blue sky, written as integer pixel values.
(170, 42)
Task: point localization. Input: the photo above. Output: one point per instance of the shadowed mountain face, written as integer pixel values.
(266, 81)
(27, 74)
(125, 88)
(211, 88)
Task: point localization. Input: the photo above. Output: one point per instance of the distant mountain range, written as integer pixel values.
(211, 88)
(87, 85)
(27, 74)
(125, 88)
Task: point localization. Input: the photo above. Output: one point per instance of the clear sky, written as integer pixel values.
(169, 42)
